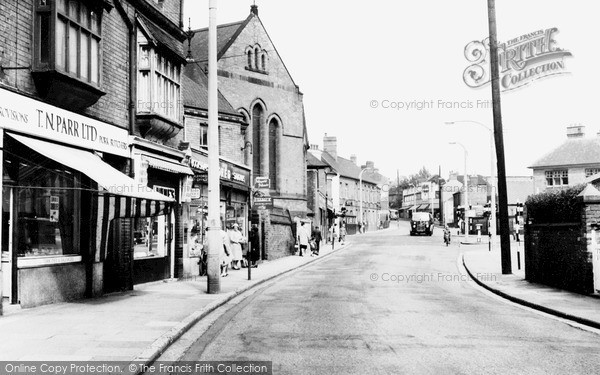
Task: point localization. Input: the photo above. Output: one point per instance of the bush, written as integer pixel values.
(559, 206)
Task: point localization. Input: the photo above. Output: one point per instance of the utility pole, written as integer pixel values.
(215, 242)
(441, 200)
(499, 138)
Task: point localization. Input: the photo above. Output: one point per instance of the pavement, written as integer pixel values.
(484, 267)
(133, 326)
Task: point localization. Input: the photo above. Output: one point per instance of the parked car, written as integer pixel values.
(421, 223)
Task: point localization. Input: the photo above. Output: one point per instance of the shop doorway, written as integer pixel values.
(8, 258)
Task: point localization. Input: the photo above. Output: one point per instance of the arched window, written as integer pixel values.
(257, 119)
(249, 59)
(263, 62)
(257, 58)
(273, 144)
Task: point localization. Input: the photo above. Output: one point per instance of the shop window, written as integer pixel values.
(67, 38)
(150, 237)
(47, 204)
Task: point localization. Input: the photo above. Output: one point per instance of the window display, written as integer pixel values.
(150, 237)
(47, 202)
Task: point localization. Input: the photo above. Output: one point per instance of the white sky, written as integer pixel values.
(344, 54)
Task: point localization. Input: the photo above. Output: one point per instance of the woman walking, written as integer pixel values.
(235, 240)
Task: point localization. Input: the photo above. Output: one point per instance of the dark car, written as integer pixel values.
(421, 223)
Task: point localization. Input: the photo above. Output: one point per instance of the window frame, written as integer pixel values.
(557, 178)
(50, 9)
(589, 172)
(160, 69)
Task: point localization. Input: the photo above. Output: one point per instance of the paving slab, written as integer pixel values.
(130, 326)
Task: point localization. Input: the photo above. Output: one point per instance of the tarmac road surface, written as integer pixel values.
(393, 304)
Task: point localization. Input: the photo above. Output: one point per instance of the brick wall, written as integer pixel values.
(16, 20)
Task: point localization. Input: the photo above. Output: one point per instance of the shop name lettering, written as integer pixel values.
(224, 172)
(522, 60)
(67, 126)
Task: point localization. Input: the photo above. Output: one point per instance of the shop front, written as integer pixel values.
(159, 240)
(234, 200)
(63, 185)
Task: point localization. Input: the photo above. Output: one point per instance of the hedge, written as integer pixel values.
(558, 206)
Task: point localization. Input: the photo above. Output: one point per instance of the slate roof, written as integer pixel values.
(194, 84)
(314, 162)
(226, 34)
(161, 38)
(578, 151)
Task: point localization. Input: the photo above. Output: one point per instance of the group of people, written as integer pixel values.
(307, 239)
(235, 251)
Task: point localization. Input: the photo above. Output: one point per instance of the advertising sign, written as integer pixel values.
(27, 115)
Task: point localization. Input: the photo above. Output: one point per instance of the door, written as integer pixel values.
(7, 243)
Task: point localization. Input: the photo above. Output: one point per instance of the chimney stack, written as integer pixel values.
(314, 146)
(370, 164)
(353, 158)
(330, 146)
(575, 131)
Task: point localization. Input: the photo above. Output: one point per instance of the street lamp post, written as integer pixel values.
(361, 192)
(466, 191)
(215, 242)
(492, 228)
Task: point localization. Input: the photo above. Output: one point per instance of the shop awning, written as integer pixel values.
(407, 208)
(95, 168)
(424, 207)
(123, 198)
(168, 166)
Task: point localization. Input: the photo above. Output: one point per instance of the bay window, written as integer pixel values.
(67, 38)
(158, 84)
(67, 60)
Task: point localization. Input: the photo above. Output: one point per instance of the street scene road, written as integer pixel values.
(392, 304)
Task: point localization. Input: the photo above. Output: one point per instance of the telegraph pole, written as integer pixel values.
(215, 242)
(499, 139)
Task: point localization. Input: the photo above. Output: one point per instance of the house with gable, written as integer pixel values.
(254, 79)
(569, 164)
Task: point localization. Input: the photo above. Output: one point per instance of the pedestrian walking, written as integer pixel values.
(343, 233)
(225, 256)
(360, 227)
(253, 247)
(235, 243)
(317, 237)
(303, 238)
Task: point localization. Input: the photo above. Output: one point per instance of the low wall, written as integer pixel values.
(51, 284)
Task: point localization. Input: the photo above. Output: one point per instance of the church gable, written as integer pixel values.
(253, 54)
